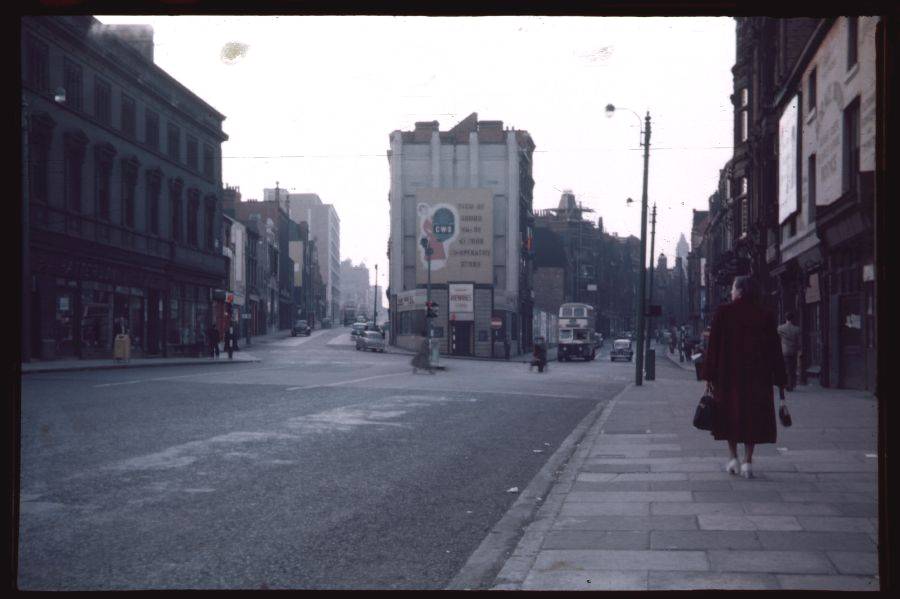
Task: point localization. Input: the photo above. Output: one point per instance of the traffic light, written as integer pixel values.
(431, 309)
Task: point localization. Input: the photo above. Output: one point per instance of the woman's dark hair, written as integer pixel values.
(747, 287)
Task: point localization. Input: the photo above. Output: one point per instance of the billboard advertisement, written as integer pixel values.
(788, 128)
(458, 226)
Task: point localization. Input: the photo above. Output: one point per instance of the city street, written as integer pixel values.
(318, 467)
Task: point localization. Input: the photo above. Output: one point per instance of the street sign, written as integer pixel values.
(496, 323)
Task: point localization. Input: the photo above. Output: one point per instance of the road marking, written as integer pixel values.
(182, 376)
(368, 378)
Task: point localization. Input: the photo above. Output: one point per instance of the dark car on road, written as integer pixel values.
(357, 329)
(370, 340)
(301, 327)
(621, 349)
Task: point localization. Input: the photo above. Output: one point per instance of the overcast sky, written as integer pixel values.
(312, 100)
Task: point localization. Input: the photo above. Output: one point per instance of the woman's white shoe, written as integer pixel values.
(746, 470)
(732, 467)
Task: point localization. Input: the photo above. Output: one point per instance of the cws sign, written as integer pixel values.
(458, 226)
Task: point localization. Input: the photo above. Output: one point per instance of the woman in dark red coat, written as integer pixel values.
(742, 364)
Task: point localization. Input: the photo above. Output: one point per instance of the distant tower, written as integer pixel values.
(681, 251)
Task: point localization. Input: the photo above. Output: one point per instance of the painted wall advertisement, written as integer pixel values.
(788, 126)
(414, 299)
(458, 224)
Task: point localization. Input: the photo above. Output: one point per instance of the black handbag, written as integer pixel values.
(703, 415)
(783, 413)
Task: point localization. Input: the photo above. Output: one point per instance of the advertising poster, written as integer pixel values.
(788, 126)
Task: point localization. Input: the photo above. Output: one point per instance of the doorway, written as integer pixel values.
(461, 338)
(852, 357)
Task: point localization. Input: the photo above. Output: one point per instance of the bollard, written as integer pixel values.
(650, 365)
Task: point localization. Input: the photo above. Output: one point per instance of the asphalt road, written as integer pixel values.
(319, 467)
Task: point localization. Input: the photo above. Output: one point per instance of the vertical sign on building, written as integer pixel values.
(788, 190)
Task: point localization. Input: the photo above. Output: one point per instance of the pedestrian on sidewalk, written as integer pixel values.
(540, 355)
(790, 345)
(212, 338)
(229, 341)
(743, 363)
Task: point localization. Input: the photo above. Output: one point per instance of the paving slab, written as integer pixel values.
(628, 496)
(704, 539)
(588, 539)
(791, 509)
(690, 485)
(587, 580)
(814, 582)
(611, 559)
(727, 522)
(773, 562)
(691, 508)
(604, 509)
(621, 485)
(858, 510)
(824, 497)
(854, 562)
(626, 523)
(761, 496)
(837, 524)
(651, 476)
(817, 541)
(674, 581)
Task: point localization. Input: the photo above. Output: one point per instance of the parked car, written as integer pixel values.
(357, 329)
(621, 349)
(301, 327)
(367, 340)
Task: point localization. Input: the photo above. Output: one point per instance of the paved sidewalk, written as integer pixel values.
(644, 502)
(240, 357)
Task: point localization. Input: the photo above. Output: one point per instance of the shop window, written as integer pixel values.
(102, 105)
(73, 82)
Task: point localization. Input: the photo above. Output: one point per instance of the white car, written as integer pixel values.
(621, 349)
(370, 340)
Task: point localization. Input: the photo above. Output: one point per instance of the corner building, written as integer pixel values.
(468, 192)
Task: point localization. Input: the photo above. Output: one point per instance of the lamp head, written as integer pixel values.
(60, 95)
(610, 109)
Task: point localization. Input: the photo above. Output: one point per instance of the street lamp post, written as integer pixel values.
(428, 252)
(642, 301)
(652, 269)
(375, 299)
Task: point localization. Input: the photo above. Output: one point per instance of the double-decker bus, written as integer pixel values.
(576, 332)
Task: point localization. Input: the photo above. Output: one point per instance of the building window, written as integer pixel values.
(151, 129)
(210, 222)
(37, 57)
(175, 206)
(72, 80)
(154, 181)
(745, 98)
(193, 212)
(852, 41)
(851, 147)
(103, 162)
(745, 215)
(75, 145)
(192, 158)
(811, 187)
(744, 125)
(174, 143)
(129, 125)
(40, 136)
(208, 158)
(129, 183)
(811, 90)
(102, 95)
(743, 186)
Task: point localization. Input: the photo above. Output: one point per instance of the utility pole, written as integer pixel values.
(652, 269)
(375, 299)
(642, 271)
